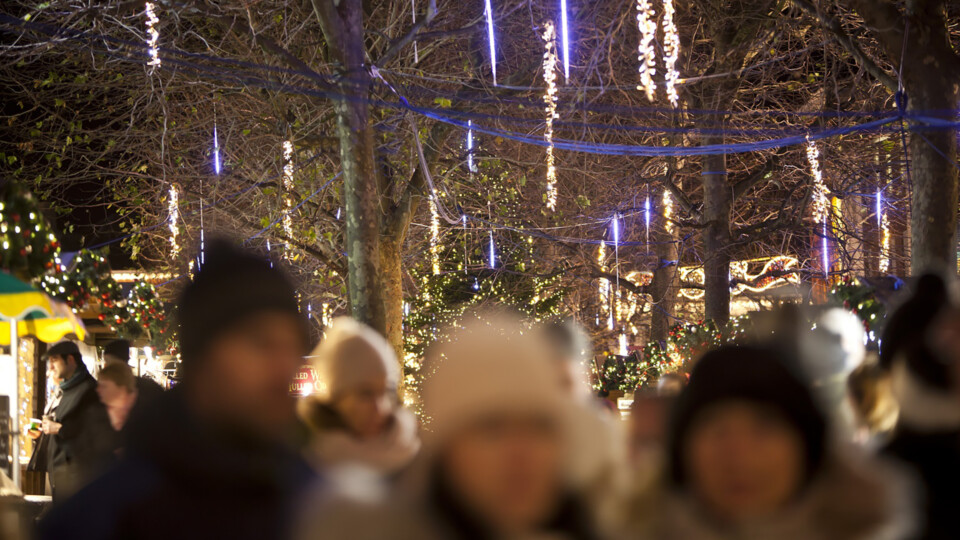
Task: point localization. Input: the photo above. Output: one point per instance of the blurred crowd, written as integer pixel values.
(808, 435)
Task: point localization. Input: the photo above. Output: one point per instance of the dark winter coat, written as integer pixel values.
(85, 443)
(184, 479)
(935, 458)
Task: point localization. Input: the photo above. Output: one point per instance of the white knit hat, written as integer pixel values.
(491, 365)
(350, 354)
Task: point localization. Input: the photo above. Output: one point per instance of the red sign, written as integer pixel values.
(304, 381)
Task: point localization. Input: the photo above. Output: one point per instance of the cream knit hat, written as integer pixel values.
(350, 354)
(491, 365)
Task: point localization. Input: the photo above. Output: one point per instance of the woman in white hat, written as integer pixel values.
(354, 414)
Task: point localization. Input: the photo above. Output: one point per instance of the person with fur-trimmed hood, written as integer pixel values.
(354, 415)
(920, 350)
(497, 445)
(749, 457)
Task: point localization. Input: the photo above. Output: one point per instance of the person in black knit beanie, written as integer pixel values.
(749, 456)
(215, 457)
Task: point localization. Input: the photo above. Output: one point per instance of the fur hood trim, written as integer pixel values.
(853, 498)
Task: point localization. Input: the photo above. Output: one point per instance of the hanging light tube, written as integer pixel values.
(488, 12)
(565, 36)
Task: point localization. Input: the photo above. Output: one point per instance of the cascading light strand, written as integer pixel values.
(647, 25)
(884, 225)
(173, 209)
(288, 189)
(488, 13)
(667, 211)
(434, 234)
(550, 100)
(671, 52)
(820, 202)
(153, 35)
(413, 14)
(565, 40)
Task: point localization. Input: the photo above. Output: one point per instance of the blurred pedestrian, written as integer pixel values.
(117, 389)
(920, 352)
(81, 441)
(496, 449)
(598, 474)
(353, 414)
(118, 351)
(39, 459)
(748, 457)
(647, 428)
(874, 407)
(670, 384)
(214, 457)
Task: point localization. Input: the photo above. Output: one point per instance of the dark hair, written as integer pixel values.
(118, 348)
(230, 287)
(754, 374)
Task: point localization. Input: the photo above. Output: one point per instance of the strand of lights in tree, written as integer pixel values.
(671, 52)
(820, 202)
(153, 35)
(565, 39)
(434, 234)
(466, 259)
(550, 99)
(288, 188)
(646, 52)
(216, 150)
(488, 13)
(623, 344)
(616, 267)
(667, 211)
(884, 244)
(646, 216)
(470, 165)
(173, 209)
(493, 252)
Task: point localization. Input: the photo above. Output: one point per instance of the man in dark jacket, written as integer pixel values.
(214, 457)
(81, 439)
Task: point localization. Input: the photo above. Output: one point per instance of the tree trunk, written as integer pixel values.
(392, 268)
(716, 236)
(664, 288)
(933, 215)
(342, 25)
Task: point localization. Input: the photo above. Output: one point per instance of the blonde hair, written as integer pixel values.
(872, 397)
(119, 374)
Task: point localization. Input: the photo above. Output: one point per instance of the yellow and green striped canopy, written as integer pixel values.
(36, 313)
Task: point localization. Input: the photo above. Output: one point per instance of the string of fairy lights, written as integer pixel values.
(647, 54)
(288, 169)
(153, 35)
(821, 202)
(671, 52)
(550, 99)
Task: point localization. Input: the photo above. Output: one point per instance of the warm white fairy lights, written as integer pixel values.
(820, 200)
(646, 52)
(173, 209)
(884, 244)
(550, 99)
(488, 13)
(671, 52)
(153, 35)
(774, 271)
(434, 234)
(288, 188)
(667, 211)
(821, 203)
(623, 348)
